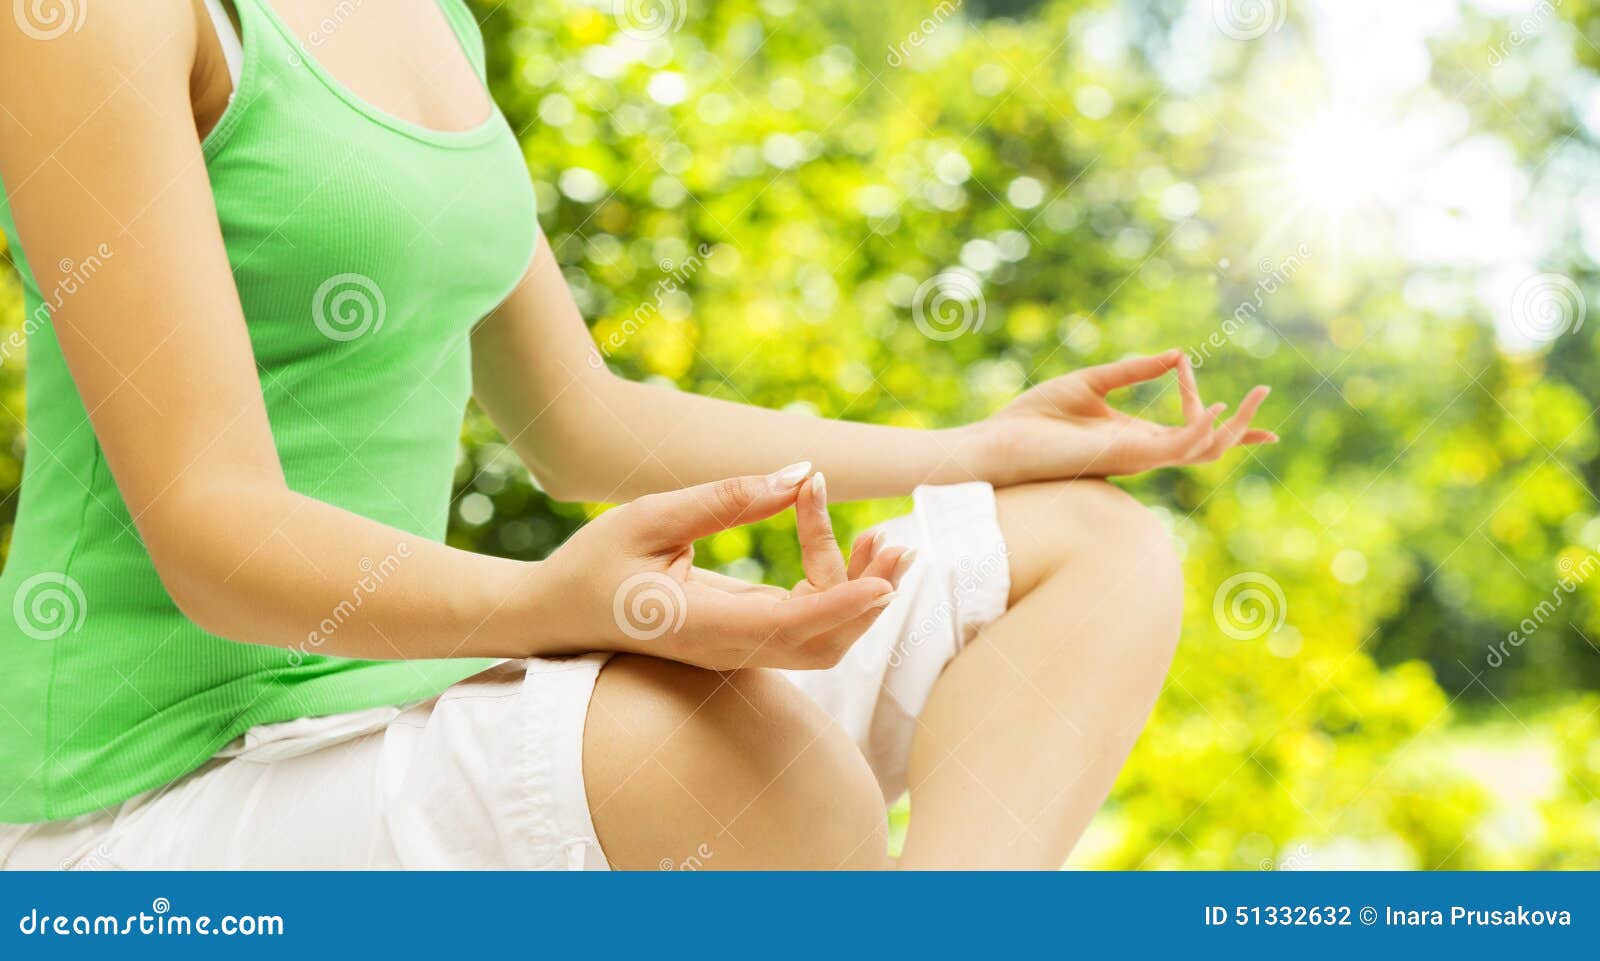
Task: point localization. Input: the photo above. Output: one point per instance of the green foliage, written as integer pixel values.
(1433, 487)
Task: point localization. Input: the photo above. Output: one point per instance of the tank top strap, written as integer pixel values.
(468, 32)
(227, 38)
(266, 42)
(253, 16)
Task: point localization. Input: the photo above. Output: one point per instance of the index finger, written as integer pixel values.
(1134, 370)
(1189, 390)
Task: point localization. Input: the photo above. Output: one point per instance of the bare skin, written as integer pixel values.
(743, 766)
(1028, 726)
(99, 143)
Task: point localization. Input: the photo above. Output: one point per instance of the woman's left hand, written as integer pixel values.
(1065, 428)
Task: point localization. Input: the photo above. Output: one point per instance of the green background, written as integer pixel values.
(1118, 178)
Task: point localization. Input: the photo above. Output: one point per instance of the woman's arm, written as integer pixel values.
(592, 436)
(589, 435)
(98, 147)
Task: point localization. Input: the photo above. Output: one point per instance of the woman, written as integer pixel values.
(258, 300)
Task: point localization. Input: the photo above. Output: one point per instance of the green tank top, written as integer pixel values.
(364, 248)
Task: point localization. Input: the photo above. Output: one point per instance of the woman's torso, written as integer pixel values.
(364, 248)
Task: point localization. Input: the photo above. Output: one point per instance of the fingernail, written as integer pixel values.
(877, 540)
(883, 601)
(906, 560)
(819, 489)
(790, 477)
(1265, 390)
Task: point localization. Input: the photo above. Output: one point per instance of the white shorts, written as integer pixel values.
(489, 774)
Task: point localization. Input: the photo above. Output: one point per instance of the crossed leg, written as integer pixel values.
(732, 771)
(1029, 725)
(1020, 742)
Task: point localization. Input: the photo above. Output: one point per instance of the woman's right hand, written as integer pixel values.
(626, 581)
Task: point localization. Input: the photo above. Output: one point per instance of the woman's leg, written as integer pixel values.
(1020, 742)
(1027, 728)
(690, 768)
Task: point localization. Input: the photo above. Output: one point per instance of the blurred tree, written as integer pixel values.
(756, 199)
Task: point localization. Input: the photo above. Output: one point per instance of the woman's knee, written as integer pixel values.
(738, 770)
(1081, 524)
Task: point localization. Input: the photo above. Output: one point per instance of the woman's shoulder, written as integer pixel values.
(92, 44)
(62, 62)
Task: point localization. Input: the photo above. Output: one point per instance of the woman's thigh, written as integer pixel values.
(1052, 525)
(686, 768)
